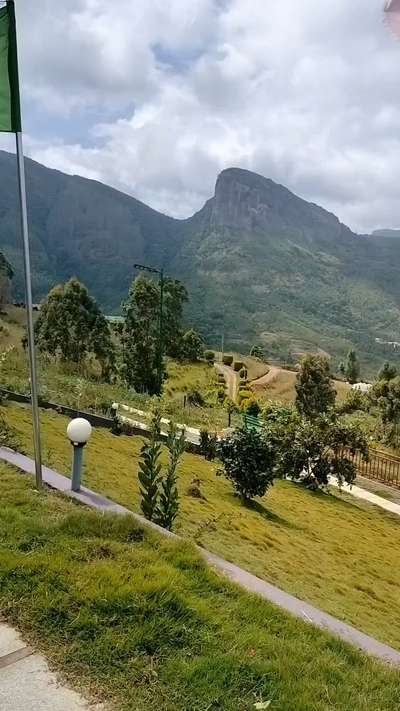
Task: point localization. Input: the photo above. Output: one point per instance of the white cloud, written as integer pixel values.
(304, 92)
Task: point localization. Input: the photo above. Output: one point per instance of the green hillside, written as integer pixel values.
(258, 261)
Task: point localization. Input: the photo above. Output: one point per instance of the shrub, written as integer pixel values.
(227, 359)
(209, 356)
(244, 395)
(243, 373)
(208, 445)
(168, 504)
(355, 400)
(221, 395)
(194, 397)
(251, 407)
(221, 378)
(248, 463)
(238, 365)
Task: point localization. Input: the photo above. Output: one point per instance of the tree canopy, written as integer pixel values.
(315, 393)
(71, 326)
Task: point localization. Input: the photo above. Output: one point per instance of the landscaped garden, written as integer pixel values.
(140, 622)
(332, 551)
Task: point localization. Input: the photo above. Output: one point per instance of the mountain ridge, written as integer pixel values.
(260, 263)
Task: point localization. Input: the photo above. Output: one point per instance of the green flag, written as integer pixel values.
(10, 111)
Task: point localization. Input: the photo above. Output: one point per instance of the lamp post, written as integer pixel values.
(160, 354)
(79, 432)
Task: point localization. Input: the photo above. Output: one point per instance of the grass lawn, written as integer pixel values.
(339, 554)
(143, 624)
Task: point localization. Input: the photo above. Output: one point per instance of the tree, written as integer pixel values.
(150, 469)
(314, 391)
(141, 330)
(385, 395)
(193, 346)
(321, 448)
(257, 352)
(175, 296)
(140, 335)
(168, 505)
(248, 462)
(71, 326)
(387, 372)
(352, 367)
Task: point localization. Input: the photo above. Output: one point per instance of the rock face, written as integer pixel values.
(250, 202)
(260, 263)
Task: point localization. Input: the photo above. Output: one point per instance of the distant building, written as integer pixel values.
(362, 387)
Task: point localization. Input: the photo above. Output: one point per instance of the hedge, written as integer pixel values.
(227, 359)
(238, 365)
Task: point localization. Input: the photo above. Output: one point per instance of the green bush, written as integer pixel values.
(221, 378)
(208, 445)
(238, 365)
(244, 395)
(251, 407)
(209, 356)
(227, 359)
(243, 373)
(248, 463)
(194, 397)
(355, 400)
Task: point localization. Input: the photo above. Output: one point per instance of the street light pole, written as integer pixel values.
(160, 348)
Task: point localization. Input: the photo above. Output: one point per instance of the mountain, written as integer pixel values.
(260, 263)
(395, 234)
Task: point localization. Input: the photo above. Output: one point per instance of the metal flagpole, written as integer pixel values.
(29, 309)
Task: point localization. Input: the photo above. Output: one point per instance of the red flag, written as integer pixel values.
(392, 13)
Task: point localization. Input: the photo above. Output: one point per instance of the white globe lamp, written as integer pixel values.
(79, 432)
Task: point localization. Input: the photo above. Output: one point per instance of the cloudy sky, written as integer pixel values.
(155, 97)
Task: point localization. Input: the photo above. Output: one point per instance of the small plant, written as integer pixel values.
(221, 378)
(8, 436)
(248, 462)
(244, 395)
(150, 469)
(208, 445)
(168, 506)
(238, 365)
(210, 357)
(257, 352)
(243, 373)
(194, 397)
(355, 400)
(227, 359)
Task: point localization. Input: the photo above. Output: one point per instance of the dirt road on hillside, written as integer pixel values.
(232, 379)
(266, 379)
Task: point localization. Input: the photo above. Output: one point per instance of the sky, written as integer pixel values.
(156, 98)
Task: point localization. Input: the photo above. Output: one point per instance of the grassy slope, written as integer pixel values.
(142, 623)
(335, 553)
(282, 388)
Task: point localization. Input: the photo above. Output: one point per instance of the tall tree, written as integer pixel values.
(352, 367)
(71, 326)
(314, 390)
(141, 334)
(175, 296)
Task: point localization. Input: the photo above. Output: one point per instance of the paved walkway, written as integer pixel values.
(232, 379)
(365, 495)
(27, 684)
(249, 582)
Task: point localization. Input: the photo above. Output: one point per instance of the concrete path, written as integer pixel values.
(246, 580)
(27, 684)
(192, 434)
(365, 495)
